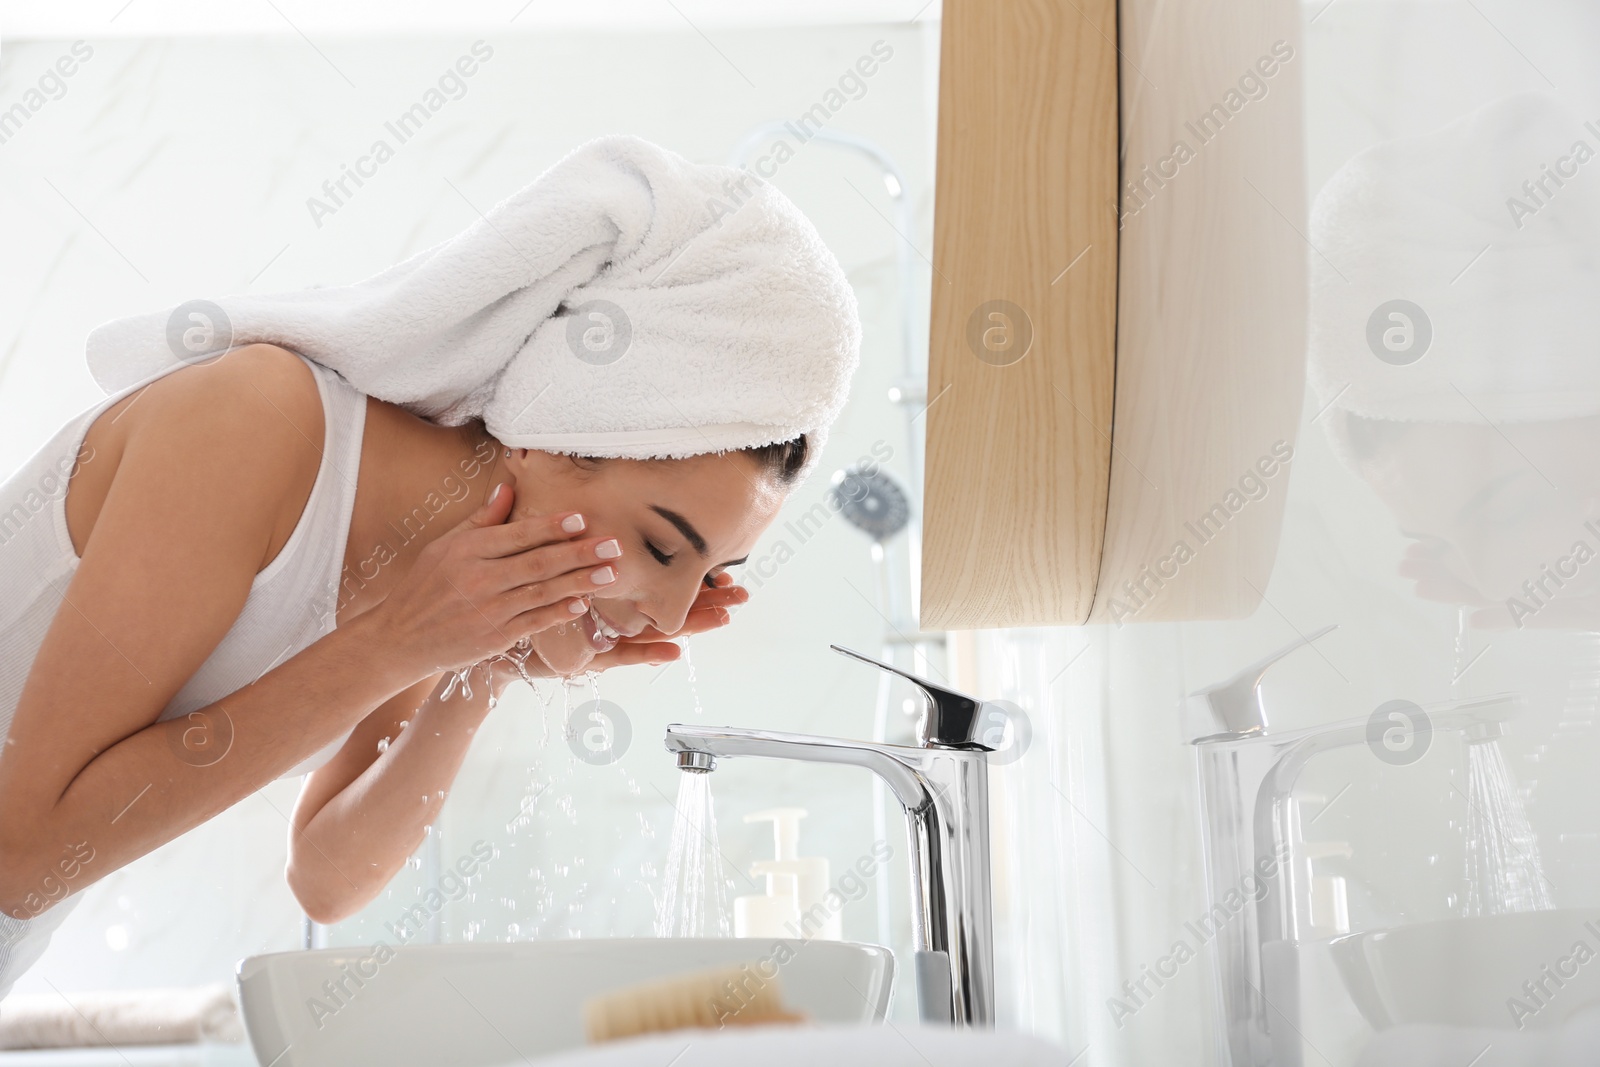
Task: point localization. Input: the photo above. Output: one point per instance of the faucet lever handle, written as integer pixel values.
(1237, 701)
(951, 718)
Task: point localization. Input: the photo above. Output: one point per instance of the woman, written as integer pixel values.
(1469, 401)
(258, 569)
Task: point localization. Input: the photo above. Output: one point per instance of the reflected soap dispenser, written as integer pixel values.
(811, 916)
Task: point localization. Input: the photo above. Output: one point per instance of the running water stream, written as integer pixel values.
(1503, 870)
(1502, 852)
(694, 899)
(694, 896)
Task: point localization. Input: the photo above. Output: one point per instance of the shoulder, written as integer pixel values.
(251, 381)
(244, 429)
(258, 400)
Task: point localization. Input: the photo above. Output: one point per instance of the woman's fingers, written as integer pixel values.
(592, 557)
(721, 598)
(627, 654)
(492, 538)
(542, 616)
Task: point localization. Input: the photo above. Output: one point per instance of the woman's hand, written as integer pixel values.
(484, 586)
(650, 645)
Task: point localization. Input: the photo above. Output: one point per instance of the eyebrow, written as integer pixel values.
(686, 528)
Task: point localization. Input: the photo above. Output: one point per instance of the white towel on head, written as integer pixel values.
(626, 303)
(1466, 223)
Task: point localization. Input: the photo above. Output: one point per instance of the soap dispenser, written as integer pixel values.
(812, 917)
(774, 914)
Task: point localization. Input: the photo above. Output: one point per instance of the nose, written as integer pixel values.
(671, 621)
(669, 612)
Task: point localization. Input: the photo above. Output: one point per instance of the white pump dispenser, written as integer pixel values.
(772, 915)
(796, 886)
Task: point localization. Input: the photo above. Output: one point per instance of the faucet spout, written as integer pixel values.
(945, 795)
(707, 744)
(1251, 826)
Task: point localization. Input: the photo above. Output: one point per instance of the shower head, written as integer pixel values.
(871, 501)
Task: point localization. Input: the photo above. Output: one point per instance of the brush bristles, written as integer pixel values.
(709, 999)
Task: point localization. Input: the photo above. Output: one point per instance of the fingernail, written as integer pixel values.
(572, 523)
(603, 576)
(608, 549)
(577, 607)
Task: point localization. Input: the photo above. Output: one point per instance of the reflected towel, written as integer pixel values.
(1473, 224)
(626, 303)
(126, 1017)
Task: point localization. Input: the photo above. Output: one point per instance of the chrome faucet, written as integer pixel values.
(1251, 822)
(943, 785)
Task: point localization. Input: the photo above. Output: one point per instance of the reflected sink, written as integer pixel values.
(1465, 972)
(475, 1005)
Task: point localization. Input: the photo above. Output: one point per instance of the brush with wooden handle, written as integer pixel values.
(710, 999)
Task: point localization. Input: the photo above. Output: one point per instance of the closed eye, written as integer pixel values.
(666, 561)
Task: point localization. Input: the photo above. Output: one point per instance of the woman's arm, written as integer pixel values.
(363, 812)
(88, 778)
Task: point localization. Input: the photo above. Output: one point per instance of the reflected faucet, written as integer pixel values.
(1250, 816)
(942, 782)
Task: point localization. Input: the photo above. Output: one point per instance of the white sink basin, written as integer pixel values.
(900, 1045)
(477, 1005)
(1469, 972)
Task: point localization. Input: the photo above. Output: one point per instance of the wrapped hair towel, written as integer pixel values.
(626, 303)
(1472, 224)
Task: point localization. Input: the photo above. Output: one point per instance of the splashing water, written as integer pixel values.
(1460, 649)
(517, 655)
(694, 901)
(688, 662)
(1503, 870)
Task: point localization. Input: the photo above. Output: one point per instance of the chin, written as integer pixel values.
(564, 649)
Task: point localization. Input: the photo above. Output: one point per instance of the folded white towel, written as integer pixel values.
(626, 303)
(128, 1017)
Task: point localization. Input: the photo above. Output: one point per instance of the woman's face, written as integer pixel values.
(678, 522)
(1491, 508)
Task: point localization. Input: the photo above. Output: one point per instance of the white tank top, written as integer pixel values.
(291, 604)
